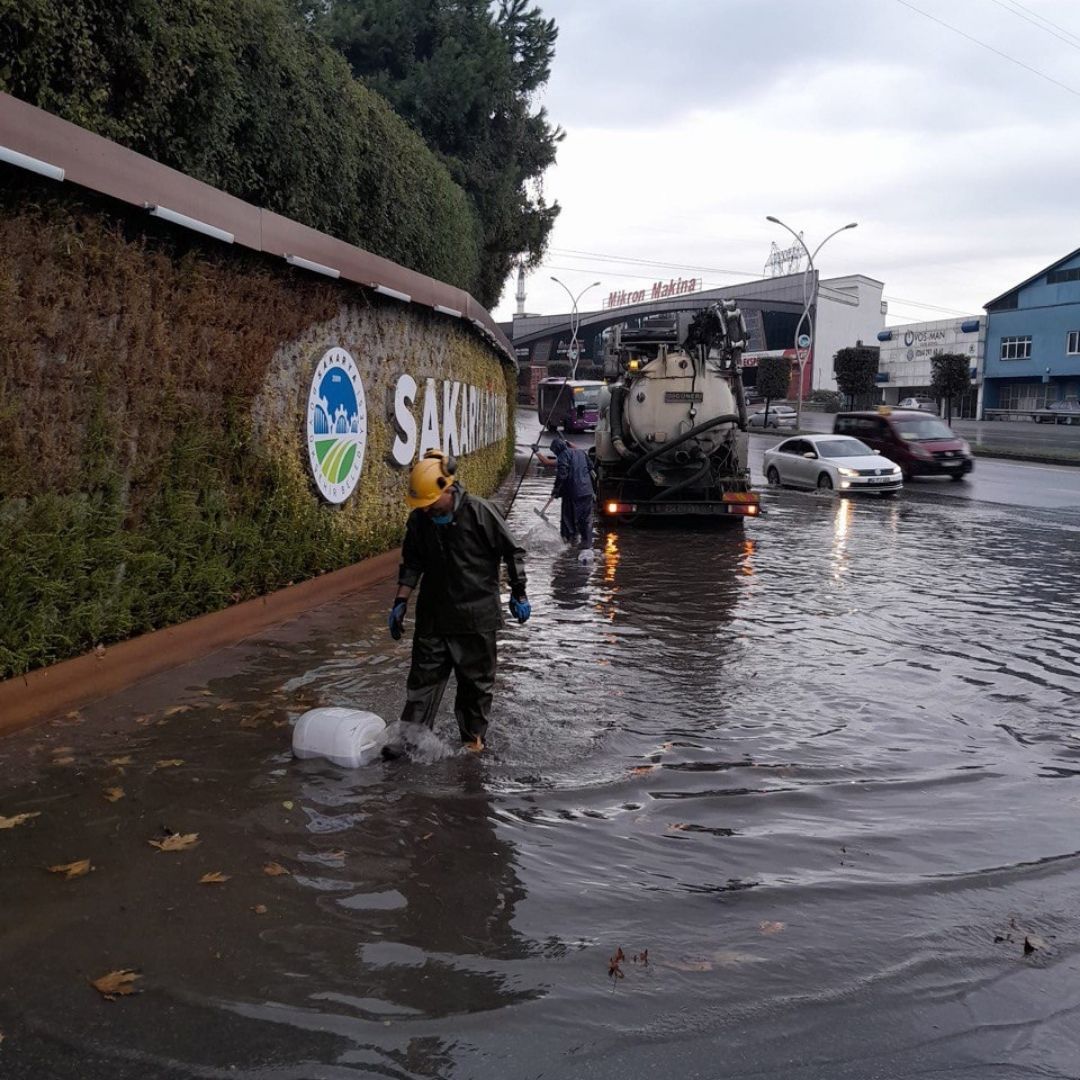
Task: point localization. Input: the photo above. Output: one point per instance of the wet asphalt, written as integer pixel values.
(822, 769)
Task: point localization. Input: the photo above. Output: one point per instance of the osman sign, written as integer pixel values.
(456, 418)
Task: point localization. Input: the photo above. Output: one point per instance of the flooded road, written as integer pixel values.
(824, 769)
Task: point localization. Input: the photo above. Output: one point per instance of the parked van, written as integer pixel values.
(920, 444)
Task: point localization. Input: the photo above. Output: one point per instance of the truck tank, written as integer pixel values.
(671, 438)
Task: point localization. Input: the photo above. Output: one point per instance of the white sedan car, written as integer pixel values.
(828, 462)
(779, 416)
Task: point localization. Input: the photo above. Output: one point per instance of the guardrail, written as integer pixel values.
(1036, 415)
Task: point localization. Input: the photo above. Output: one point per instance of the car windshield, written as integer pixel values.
(918, 429)
(843, 448)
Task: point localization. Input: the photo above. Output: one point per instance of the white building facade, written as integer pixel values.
(849, 310)
(905, 368)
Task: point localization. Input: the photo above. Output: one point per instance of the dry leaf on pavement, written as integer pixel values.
(769, 927)
(169, 763)
(273, 869)
(260, 909)
(114, 794)
(116, 984)
(66, 760)
(72, 869)
(215, 878)
(176, 842)
(641, 770)
(18, 819)
(125, 760)
(177, 709)
(288, 804)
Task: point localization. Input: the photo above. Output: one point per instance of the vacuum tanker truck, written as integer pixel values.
(671, 437)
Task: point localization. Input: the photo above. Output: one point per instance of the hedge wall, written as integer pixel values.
(237, 94)
(152, 396)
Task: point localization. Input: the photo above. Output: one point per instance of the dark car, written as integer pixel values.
(921, 445)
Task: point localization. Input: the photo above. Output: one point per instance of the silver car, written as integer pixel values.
(831, 462)
(780, 416)
(923, 404)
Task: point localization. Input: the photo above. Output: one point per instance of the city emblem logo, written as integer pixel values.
(909, 338)
(336, 425)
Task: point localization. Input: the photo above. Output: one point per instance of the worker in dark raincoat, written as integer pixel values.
(454, 544)
(574, 484)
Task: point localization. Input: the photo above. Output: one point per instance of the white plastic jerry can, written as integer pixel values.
(347, 737)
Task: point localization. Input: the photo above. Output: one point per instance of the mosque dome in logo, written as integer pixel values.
(336, 425)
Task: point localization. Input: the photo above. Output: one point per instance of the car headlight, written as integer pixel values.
(965, 447)
(896, 470)
(848, 472)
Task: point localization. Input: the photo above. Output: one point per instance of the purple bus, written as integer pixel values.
(573, 405)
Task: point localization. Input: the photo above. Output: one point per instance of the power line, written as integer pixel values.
(1037, 25)
(998, 52)
(605, 257)
(1069, 33)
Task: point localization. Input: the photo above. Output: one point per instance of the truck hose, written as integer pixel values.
(615, 421)
(700, 474)
(664, 448)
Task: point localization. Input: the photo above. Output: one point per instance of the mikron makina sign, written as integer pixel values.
(457, 418)
(660, 290)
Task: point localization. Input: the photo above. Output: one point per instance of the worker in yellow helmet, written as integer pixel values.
(454, 544)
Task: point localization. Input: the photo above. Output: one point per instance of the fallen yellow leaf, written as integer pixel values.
(116, 984)
(767, 927)
(216, 878)
(169, 763)
(677, 826)
(68, 760)
(72, 869)
(125, 760)
(288, 804)
(176, 842)
(63, 750)
(177, 709)
(260, 909)
(273, 869)
(18, 819)
(641, 770)
(142, 719)
(250, 722)
(114, 794)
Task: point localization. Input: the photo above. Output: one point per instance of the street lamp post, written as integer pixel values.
(575, 321)
(807, 302)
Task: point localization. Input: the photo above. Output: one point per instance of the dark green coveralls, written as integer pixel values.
(459, 608)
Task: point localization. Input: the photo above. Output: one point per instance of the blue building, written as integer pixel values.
(1033, 340)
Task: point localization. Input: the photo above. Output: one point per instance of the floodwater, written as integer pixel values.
(825, 770)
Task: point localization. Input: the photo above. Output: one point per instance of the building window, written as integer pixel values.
(1021, 396)
(1016, 348)
(1059, 277)
(1072, 344)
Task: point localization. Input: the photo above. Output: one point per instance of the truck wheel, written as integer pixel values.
(773, 476)
(824, 482)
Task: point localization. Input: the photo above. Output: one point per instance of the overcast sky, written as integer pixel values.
(687, 121)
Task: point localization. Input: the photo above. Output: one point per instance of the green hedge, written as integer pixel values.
(238, 94)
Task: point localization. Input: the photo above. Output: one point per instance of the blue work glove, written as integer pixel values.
(396, 619)
(520, 608)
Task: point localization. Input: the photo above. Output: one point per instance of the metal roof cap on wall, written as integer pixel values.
(33, 139)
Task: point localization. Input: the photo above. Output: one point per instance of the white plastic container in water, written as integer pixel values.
(347, 737)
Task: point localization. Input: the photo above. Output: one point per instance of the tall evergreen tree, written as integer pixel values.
(465, 75)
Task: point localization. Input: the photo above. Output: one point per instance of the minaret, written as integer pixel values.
(520, 294)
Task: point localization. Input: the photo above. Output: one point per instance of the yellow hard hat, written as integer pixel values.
(430, 477)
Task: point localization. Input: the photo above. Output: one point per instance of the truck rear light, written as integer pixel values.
(619, 508)
(741, 497)
(745, 509)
